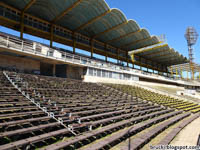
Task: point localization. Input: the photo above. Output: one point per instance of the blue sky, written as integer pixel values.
(169, 17)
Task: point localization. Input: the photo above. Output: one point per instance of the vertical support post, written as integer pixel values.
(74, 43)
(193, 72)
(118, 56)
(22, 25)
(127, 58)
(181, 73)
(51, 36)
(176, 73)
(192, 69)
(199, 75)
(133, 57)
(105, 51)
(92, 48)
(171, 71)
(187, 75)
(74, 46)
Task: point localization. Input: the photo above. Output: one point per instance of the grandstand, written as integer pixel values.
(54, 98)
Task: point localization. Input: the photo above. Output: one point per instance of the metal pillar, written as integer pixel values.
(22, 26)
(92, 49)
(118, 55)
(133, 57)
(51, 36)
(181, 73)
(74, 47)
(127, 58)
(171, 71)
(199, 75)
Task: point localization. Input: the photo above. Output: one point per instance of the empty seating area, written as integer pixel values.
(93, 112)
(160, 99)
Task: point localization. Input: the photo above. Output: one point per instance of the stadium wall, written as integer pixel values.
(19, 63)
(107, 80)
(75, 72)
(28, 65)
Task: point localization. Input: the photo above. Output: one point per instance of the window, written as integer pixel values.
(90, 71)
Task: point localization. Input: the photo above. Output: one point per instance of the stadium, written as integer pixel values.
(118, 88)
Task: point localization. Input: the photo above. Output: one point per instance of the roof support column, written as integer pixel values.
(199, 74)
(92, 48)
(192, 70)
(140, 63)
(133, 58)
(118, 56)
(171, 71)
(31, 2)
(181, 74)
(51, 36)
(105, 49)
(157, 68)
(127, 58)
(74, 43)
(146, 66)
(22, 25)
(74, 46)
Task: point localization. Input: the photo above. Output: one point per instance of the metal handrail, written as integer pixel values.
(32, 47)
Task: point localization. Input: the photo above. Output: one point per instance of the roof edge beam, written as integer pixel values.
(108, 30)
(62, 14)
(28, 5)
(148, 49)
(91, 21)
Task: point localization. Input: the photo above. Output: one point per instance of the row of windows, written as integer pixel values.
(8, 13)
(110, 74)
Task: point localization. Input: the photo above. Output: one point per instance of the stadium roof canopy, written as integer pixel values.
(186, 67)
(92, 18)
(96, 20)
(161, 53)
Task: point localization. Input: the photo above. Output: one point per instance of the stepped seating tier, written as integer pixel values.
(91, 110)
(160, 99)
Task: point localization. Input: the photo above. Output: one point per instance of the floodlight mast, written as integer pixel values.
(191, 36)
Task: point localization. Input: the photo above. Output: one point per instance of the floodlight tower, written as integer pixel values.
(191, 36)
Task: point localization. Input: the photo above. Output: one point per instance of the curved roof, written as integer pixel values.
(93, 18)
(96, 20)
(162, 54)
(185, 67)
